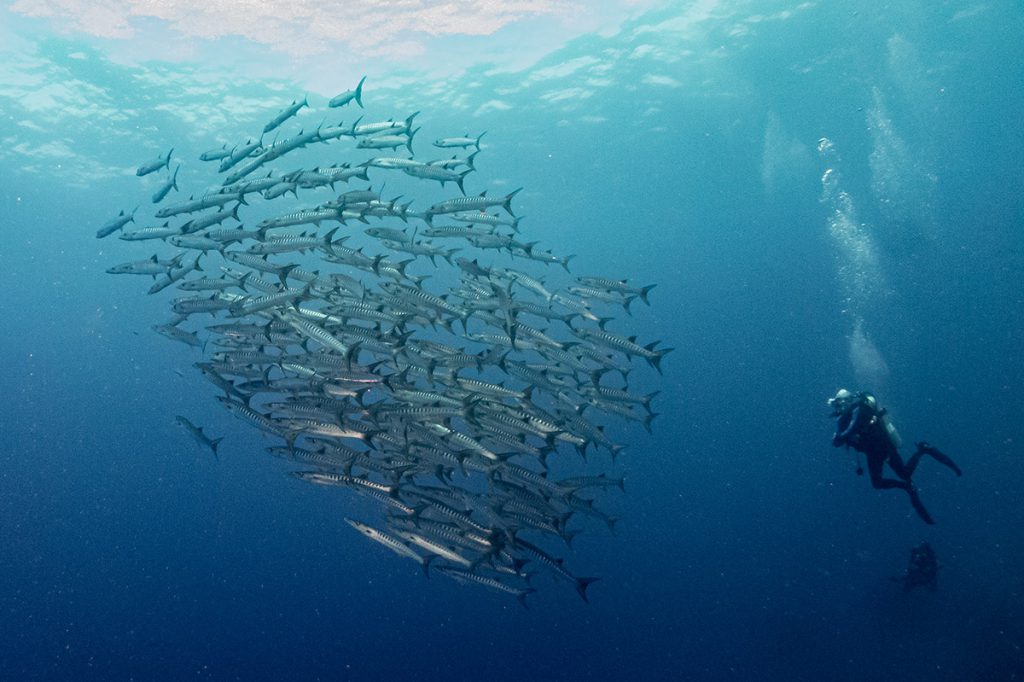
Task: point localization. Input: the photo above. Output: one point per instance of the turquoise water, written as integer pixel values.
(825, 196)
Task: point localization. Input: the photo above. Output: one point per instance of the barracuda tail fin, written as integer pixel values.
(646, 290)
(646, 400)
(507, 204)
(655, 361)
(521, 597)
(568, 536)
(462, 176)
(359, 92)
(581, 587)
(328, 239)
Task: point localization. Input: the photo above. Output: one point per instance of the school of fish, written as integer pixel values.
(427, 359)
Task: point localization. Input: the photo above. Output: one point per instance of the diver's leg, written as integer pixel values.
(896, 464)
(915, 458)
(875, 464)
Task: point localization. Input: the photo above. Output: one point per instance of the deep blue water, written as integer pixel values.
(747, 548)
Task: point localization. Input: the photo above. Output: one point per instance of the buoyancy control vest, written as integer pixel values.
(882, 416)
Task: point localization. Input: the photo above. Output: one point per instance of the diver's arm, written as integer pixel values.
(843, 433)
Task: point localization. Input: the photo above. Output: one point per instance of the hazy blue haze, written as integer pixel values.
(685, 155)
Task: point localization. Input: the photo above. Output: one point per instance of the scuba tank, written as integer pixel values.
(883, 418)
(890, 429)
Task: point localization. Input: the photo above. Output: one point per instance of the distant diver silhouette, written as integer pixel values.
(922, 570)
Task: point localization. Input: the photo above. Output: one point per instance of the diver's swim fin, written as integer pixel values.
(919, 506)
(939, 456)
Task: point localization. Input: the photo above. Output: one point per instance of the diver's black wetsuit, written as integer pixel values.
(861, 427)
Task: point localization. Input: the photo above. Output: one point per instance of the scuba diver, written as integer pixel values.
(922, 571)
(863, 426)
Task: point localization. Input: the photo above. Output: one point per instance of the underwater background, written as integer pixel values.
(826, 195)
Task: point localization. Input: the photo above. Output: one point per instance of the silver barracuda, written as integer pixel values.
(115, 224)
(480, 202)
(156, 164)
(164, 190)
(354, 95)
(198, 435)
(285, 114)
(464, 141)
